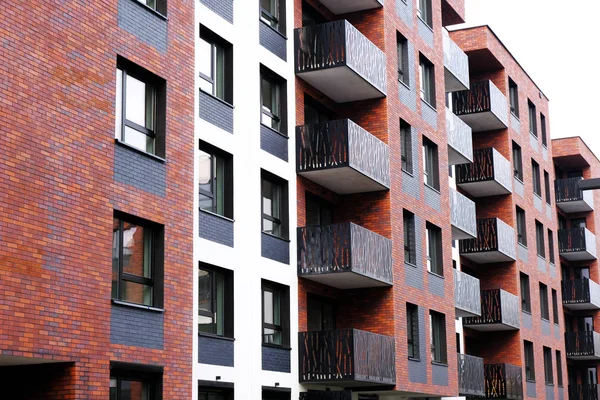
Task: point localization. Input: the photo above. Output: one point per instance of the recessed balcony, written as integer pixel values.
(344, 256)
(467, 295)
(490, 174)
(499, 312)
(581, 294)
(456, 65)
(584, 392)
(584, 345)
(495, 242)
(343, 157)
(503, 381)
(570, 198)
(463, 216)
(348, 6)
(347, 358)
(460, 140)
(340, 62)
(483, 107)
(471, 381)
(576, 244)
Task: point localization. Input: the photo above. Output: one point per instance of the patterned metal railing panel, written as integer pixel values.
(510, 309)
(568, 190)
(503, 172)
(326, 395)
(455, 60)
(506, 239)
(366, 59)
(371, 254)
(582, 344)
(576, 291)
(346, 355)
(584, 392)
(480, 170)
(322, 146)
(482, 96)
(463, 213)
(368, 154)
(575, 240)
(493, 234)
(503, 381)
(467, 292)
(499, 105)
(471, 376)
(497, 307)
(460, 135)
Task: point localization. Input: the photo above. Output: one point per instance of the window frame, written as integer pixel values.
(559, 370)
(408, 222)
(544, 306)
(555, 307)
(412, 331)
(532, 118)
(226, 393)
(525, 293)
(437, 333)
(147, 374)
(425, 12)
(283, 219)
(529, 361)
(279, 87)
(216, 154)
(431, 168)
(536, 178)
(517, 161)
(427, 81)
(403, 64)
(543, 129)
(219, 48)
(433, 249)
(539, 239)
(548, 373)
(547, 188)
(284, 311)
(513, 92)
(551, 246)
(406, 150)
(228, 308)
(521, 226)
(274, 20)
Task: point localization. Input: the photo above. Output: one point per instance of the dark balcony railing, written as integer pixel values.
(471, 381)
(504, 381)
(497, 307)
(576, 291)
(584, 392)
(493, 234)
(572, 240)
(568, 190)
(582, 344)
(347, 355)
(480, 170)
(476, 99)
(326, 395)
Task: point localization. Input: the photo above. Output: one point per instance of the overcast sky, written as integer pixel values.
(558, 44)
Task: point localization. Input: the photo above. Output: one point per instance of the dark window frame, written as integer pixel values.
(544, 306)
(279, 116)
(431, 167)
(559, 375)
(517, 161)
(547, 187)
(521, 226)
(283, 219)
(439, 351)
(408, 220)
(284, 310)
(406, 149)
(224, 49)
(427, 81)
(551, 246)
(555, 306)
(204, 393)
(539, 239)
(425, 12)
(536, 178)
(529, 361)
(544, 132)
(403, 59)
(274, 19)
(228, 308)
(227, 163)
(149, 375)
(525, 293)
(532, 118)
(548, 373)
(513, 90)
(412, 331)
(434, 257)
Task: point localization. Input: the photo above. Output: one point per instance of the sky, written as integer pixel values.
(558, 44)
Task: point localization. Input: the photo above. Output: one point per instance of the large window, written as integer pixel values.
(513, 91)
(529, 361)
(274, 206)
(215, 301)
(214, 393)
(539, 239)
(140, 108)
(272, 12)
(548, 366)
(215, 172)
(135, 383)
(275, 314)
(544, 133)
(517, 161)
(406, 147)
(544, 311)
(551, 246)
(521, 227)
(412, 330)
(537, 183)
(431, 175)
(410, 251)
(216, 69)
(437, 323)
(427, 76)
(403, 64)
(424, 11)
(547, 187)
(532, 118)
(555, 306)
(273, 101)
(525, 296)
(435, 263)
(559, 376)
(136, 261)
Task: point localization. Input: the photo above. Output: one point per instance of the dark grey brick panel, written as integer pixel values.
(133, 326)
(404, 10)
(561, 394)
(439, 375)
(541, 263)
(139, 170)
(557, 334)
(546, 328)
(436, 285)
(143, 23)
(275, 248)
(223, 8)
(433, 198)
(549, 392)
(523, 252)
(411, 184)
(408, 95)
(273, 143)
(216, 112)
(215, 351)
(274, 359)
(425, 32)
(429, 114)
(273, 41)
(417, 370)
(526, 320)
(216, 228)
(530, 388)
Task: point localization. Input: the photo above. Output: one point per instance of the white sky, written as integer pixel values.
(558, 43)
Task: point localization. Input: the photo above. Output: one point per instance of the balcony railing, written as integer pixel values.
(460, 140)
(570, 198)
(495, 242)
(346, 357)
(463, 216)
(344, 256)
(584, 345)
(467, 295)
(503, 381)
(345, 6)
(340, 61)
(581, 294)
(489, 174)
(584, 392)
(456, 65)
(577, 244)
(499, 311)
(483, 107)
(343, 157)
(471, 380)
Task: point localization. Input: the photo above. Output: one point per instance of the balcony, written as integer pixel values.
(584, 345)
(467, 295)
(570, 198)
(342, 157)
(499, 312)
(460, 140)
(340, 61)
(346, 357)
(581, 294)
(456, 65)
(584, 392)
(344, 256)
(495, 242)
(483, 107)
(348, 6)
(576, 244)
(471, 381)
(463, 216)
(503, 381)
(490, 174)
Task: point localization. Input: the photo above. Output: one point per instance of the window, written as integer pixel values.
(537, 184)
(513, 92)
(159, 6)
(435, 263)
(424, 11)
(272, 13)
(273, 100)
(547, 187)
(427, 81)
(215, 171)
(559, 379)
(551, 245)
(275, 393)
(431, 175)
(216, 69)
(525, 297)
(532, 118)
(136, 261)
(275, 315)
(274, 206)
(544, 134)
(403, 64)
(539, 239)
(214, 393)
(437, 323)
(544, 311)
(412, 330)
(555, 306)
(215, 301)
(517, 161)
(135, 382)
(521, 226)
(140, 108)
(406, 146)
(410, 250)
(529, 362)
(548, 366)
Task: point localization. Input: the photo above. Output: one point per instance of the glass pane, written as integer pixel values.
(219, 77)
(135, 101)
(205, 58)
(276, 308)
(220, 185)
(220, 303)
(136, 293)
(205, 291)
(206, 203)
(134, 390)
(267, 97)
(138, 140)
(272, 336)
(205, 324)
(135, 255)
(115, 259)
(267, 226)
(205, 85)
(205, 171)
(118, 104)
(268, 307)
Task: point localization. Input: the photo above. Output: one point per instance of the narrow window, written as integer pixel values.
(424, 11)
(525, 297)
(274, 206)
(513, 91)
(431, 175)
(437, 323)
(216, 71)
(521, 226)
(529, 361)
(272, 13)
(410, 256)
(539, 239)
(273, 100)
(427, 81)
(215, 171)
(544, 134)
(537, 184)
(532, 118)
(517, 161)
(403, 65)
(548, 366)
(544, 311)
(215, 301)
(412, 330)
(555, 306)
(406, 147)
(547, 187)
(275, 315)
(551, 245)
(434, 250)
(559, 376)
